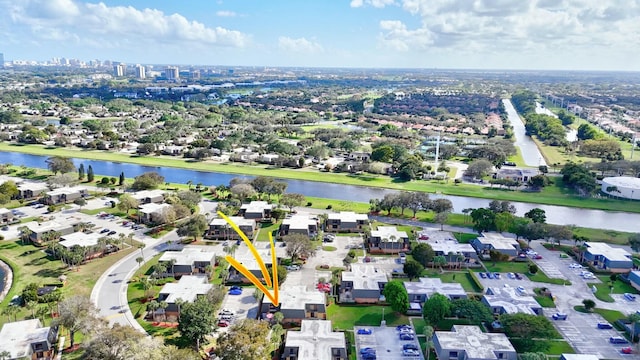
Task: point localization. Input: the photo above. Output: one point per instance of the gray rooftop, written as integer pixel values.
(497, 241)
(66, 190)
(348, 216)
(450, 246)
(474, 342)
(510, 301)
(389, 233)
(17, 337)
(256, 206)
(80, 239)
(315, 340)
(430, 286)
(238, 220)
(435, 235)
(47, 226)
(187, 289)
(143, 194)
(299, 222)
(609, 252)
(188, 255)
(296, 297)
(32, 185)
(153, 208)
(365, 276)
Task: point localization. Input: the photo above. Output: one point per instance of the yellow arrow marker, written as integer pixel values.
(244, 271)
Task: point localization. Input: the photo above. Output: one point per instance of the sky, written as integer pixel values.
(445, 34)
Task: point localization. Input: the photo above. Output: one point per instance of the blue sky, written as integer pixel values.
(491, 34)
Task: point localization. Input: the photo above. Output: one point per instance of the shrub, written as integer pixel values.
(105, 181)
(329, 207)
(309, 204)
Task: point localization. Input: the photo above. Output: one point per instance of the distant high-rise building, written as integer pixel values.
(141, 72)
(1, 61)
(195, 74)
(172, 73)
(119, 70)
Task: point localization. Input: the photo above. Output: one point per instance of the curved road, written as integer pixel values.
(530, 152)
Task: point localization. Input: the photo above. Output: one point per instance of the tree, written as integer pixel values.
(197, 319)
(442, 208)
(634, 242)
(121, 179)
(189, 199)
(299, 245)
(419, 201)
(528, 331)
(502, 206)
(496, 256)
(59, 164)
(77, 313)
(111, 343)
(436, 308)
(396, 295)
(127, 202)
(478, 169)
(588, 304)
(533, 269)
(61, 180)
(246, 340)
(475, 311)
(413, 269)
(80, 202)
(423, 253)
(383, 153)
(195, 227)
(388, 202)
(439, 261)
(147, 181)
(81, 172)
(261, 184)
(483, 219)
(291, 200)
(536, 215)
(90, 174)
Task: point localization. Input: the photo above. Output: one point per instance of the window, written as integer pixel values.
(500, 355)
(453, 354)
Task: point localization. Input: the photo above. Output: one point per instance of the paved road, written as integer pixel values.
(530, 152)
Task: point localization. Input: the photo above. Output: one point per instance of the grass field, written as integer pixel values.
(523, 268)
(462, 277)
(347, 316)
(603, 292)
(547, 196)
(265, 229)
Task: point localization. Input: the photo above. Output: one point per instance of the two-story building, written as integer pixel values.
(522, 175)
(188, 261)
(65, 195)
(38, 231)
(346, 221)
(187, 289)
(296, 304)
(496, 242)
(505, 300)
(247, 260)
(605, 257)
(219, 229)
(152, 213)
(455, 252)
(420, 291)
(31, 189)
(28, 339)
(149, 196)
(256, 210)
(6, 216)
(315, 340)
(466, 342)
(634, 279)
(388, 240)
(87, 241)
(299, 224)
(363, 284)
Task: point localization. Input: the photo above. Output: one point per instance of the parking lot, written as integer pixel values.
(386, 342)
(243, 306)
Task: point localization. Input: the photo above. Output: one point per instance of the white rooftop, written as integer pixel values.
(238, 220)
(81, 239)
(579, 357)
(510, 301)
(435, 235)
(188, 255)
(32, 185)
(475, 343)
(4, 211)
(16, 337)
(315, 340)
(139, 195)
(430, 286)
(256, 206)
(497, 241)
(187, 289)
(296, 297)
(623, 181)
(348, 216)
(299, 222)
(389, 233)
(611, 253)
(66, 190)
(450, 246)
(46, 226)
(152, 208)
(365, 276)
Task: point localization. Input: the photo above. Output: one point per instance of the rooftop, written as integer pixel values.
(623, 181)
(66, 191)
(611, 253)
(474, 342)
(296, 297)
(510, 301)
(315, 340)
(389, 233)
(579, 357)
(4, 211)
(450, 246)
(152, 208)
(518, 172)
(434, 235)
(300, 222)
(348, 216)
(187, 289)
(17, 337)
(81, 239)
(238, 220)
(431, 286)
(497, 241)
(139, 195)
(188, 255)
(46, 226)
(256, 206)
(32, 185)
(365, 276)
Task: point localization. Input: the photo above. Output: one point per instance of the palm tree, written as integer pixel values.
(152, 306)
(5, 355)
(428, 333)
(10, 310)
(634, 319)
(31, 305)
(163, 306)
(41, 311)
(179, 302)
(190, 183)
(25, 233)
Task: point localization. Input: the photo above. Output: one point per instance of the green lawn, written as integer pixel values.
(265, 229)
(418, 325)
(559, 347)
(545, 301)
(465, 238)
(610, 315)
(523, 268)
(347, 316)
(461, 277)
(603, 291)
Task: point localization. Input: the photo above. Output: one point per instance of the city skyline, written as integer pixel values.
(452, 34)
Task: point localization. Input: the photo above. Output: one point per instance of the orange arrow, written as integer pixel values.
(263, 268)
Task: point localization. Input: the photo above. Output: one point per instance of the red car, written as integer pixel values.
(627, 350)
(223, 323)
(537, 257)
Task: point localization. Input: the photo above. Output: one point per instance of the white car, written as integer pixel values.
(293, 267)
(521, 290)
(575, 266)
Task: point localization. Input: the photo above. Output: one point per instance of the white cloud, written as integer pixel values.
(374, 3)
(300, 45)
(226, 13)
(93, 22)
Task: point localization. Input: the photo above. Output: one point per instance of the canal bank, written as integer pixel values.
(6, 279)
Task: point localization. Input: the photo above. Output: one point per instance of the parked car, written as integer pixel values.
(235, 292)
(483, 275)
(406, 330)
(365, 331)
(223, 323)
(518, 276)
(511, 275)
(490, 275)
(404, 326)
(521, 291)
(226, 312)
(618, 340)
(629, 297)
(226, 317)
(103, 231)
(367, 350)
(293, 267)
(369, 357)
(496, 275)
(410, 352)
(112, 232)
(627, 350)
(604, 325)
(410, 346)
(537, 257)
(575, 266)
(406, 336)
(328, 238)
(559, 316)
(5, 228)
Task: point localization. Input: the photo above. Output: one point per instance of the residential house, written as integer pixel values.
(31, 189)
(6, 216)
(173, 150)
(38, 230)
(602, 256)
(152, 213)
(522, 175)
(149, 196)
(296, 304)
(220, 229)
(189, 261)
(363, 284)
(469, 342)
(28, 339)
(445, 244)
(187, 289)
(359, 156)
(87, 241)
(494, 241)
(299, 224)
(420, 291)
(247, 260)
(505, 300)
(634, 279)
(388, 240)
(65, 195)
(315, 340)
(346, 221)
(257, 210)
